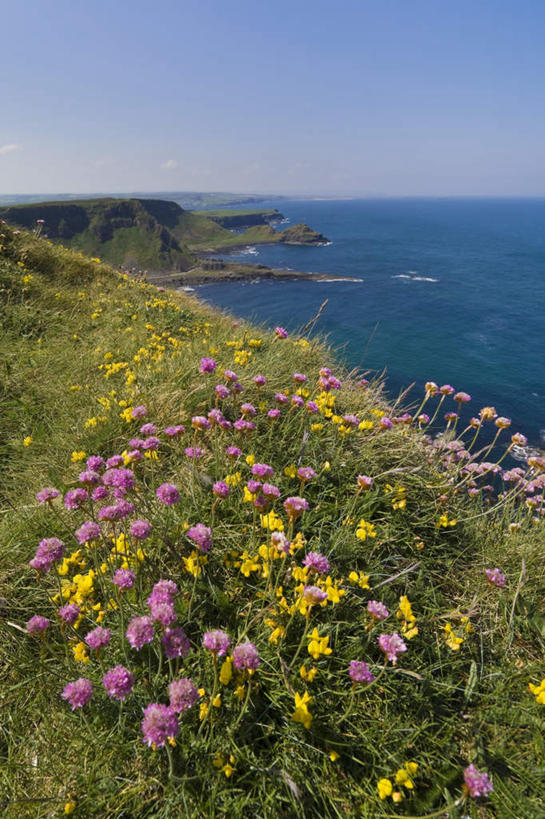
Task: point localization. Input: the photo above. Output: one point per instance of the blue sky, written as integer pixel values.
(355, 97)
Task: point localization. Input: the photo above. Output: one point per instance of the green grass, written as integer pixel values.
(63, 330)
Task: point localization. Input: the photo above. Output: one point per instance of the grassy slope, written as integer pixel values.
(442, 708)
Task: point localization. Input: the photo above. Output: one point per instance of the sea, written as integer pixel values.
(447, 290)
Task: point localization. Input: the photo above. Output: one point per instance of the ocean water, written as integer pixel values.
(451, 291)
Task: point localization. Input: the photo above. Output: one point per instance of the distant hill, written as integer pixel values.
(152, 234)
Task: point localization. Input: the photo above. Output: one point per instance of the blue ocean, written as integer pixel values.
(450, 290)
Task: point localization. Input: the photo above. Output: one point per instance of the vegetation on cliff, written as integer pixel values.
(256, 586)
(152, 234)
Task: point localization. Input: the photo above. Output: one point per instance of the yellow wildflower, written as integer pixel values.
(80, 653)
(301, 713)
(385, 788)
(226, 671)
(318, 645)
(290, 471)
(78, 456)
(27, 441)
(333, 755)
(538, 691)
(365, 530)
(405, 613)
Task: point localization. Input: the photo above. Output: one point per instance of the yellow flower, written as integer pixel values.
(385, 788)
(405, 613)
(538, 691)
(78, 456)
(360, 579)
(250, 459)
(290, 471)
(272, 521)
(27, 441)
(80, 653)
(301, 713)
(233, 480)
(70, 806)
(216, 702)
(403, 778)
(239, 692)
(333, 755)
(226, 671)
(307, 675)
(452, 640)
(444, 521)
(318, 645)
(365, 530)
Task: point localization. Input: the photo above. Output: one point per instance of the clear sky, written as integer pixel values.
(356, 97)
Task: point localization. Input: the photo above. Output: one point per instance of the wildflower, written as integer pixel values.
(47, 494)
(217, 641)
(140, 529)
(312, 407)
(194, 452)
(279, 332)
(163, 612)
(488, 413)
(361, 579)
(114, 461)
(279, 540)
(75, 497)
(88, 531)
(301, 713)
(233, 452)
(27, 441)
(299, 378)
(159, 724)
(309, 675)
(245, 656)
(391, 645)
(306, 473)
(495, 576)
(476, 783)
(451, 417)
(89, 477)
(118, 511)
(295, 507)
(175, 643)
(359, 672)
(259, 380)
(174, 431)
(207, 365)
(385, 423)
(462, 398)
(118, 682)
(78, 693)
(364, 483)
(168, 493)
(538, 691)
(423, 418)
(201, 535)
(220, 489)
(200, 422)
(297, 401)
(405, 613)
(270, 491)
(365, 530)
(318, 645)
(139, 412)
(312, 595)
(37, 624)
(140, 631)
(385, 788)
(98, 638)
(377, 610)
(316, 562)
(453, 641)
(273, 414)
(518, 439)
(124, 579)
(182, 694)
(222, 391)
(262, 470)
(69, 613)
(48, 552)
(280, 398)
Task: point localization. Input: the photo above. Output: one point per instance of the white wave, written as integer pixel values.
(187, 289)
(323, 281)
(414, 277)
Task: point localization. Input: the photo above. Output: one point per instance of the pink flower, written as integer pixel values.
(378, 611)
(182, 694)
(496, 577)
(159, 724)
(201, 535)
(118, 682)
(207, 365)
(391, 645)
(477, 784)
(359, 672)
(313, 595)
(78, 693)
(168, 493)
(295, 507)
(217, 641)
(37, 624)
(245, 656)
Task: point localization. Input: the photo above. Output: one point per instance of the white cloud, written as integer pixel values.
(169, 164)
(7, 149)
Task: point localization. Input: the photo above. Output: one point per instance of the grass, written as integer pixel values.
(82, 346)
